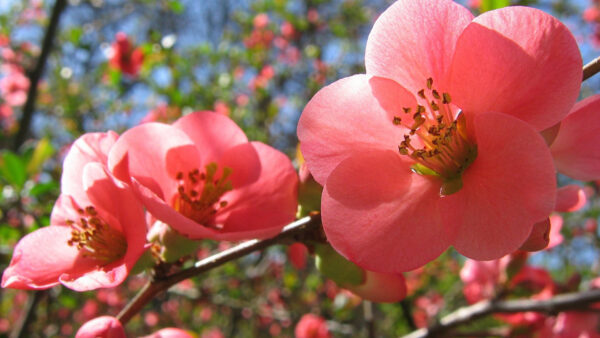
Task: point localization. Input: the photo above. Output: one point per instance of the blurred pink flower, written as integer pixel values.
(203, 178)
(260, 21)
(93, 241)
(171, 332)
(102, 327)
(312, 326)
(14, 86)
(464, 165)
(570, 198)
(126, 57)
(298, 254)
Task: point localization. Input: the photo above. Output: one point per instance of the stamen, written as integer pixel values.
(95, 238)
(446, 150)
(199, 193)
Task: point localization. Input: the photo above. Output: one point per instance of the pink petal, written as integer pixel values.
(171, 332)
(91, 147)
(507, 189)
(65, 208)
(153, 153)
(575, 149)
(381, 287)
(105, 277)
(352, 114)
(212, 133)
(414, 40)
(538, 238)
(297, 254)
(556, 223)
(518, 61)
(105, 327)
(570, 198)
(380, 215)
(111, 197)
(262, 208)
(41, 257)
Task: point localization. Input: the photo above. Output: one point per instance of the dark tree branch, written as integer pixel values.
(564, 302)
(302, 229)
(36, 74)
(20, 328)
(591, 68)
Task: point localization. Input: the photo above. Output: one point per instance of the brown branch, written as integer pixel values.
(21, 326)
(298, 231)
(591, 68)
(570, 301)
(35, 75)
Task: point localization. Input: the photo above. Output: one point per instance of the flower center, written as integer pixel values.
(95, 238)
(436, 141)
(199, 193)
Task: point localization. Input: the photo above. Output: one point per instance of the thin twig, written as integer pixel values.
(298, 230)
(591, 68)
(20, 328)
(369, 318)
(570, 301)
(35, 75)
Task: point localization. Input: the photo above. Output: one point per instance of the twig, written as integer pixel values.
(298, 230)
(35, 75)
(20, 329)
(407, 313)
(570, 301)
(369, 319)
(591, 68)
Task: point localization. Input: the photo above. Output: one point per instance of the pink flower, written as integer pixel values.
(312, 326)
(297, 254)
(570, 198)
(203, 178)
(97, 228)
(103, 327)
(14, 88)
(125, 57)
(380, 287)
(171, 332)
(576, 324)
(480, 278)
(575, 149)
(438, 144)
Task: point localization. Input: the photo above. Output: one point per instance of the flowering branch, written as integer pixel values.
(305, 228)
(591, 68)
(36, 74)
(570, 301)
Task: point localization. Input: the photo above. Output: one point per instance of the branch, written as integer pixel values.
(569, 301)
(35, 75)
(299, 230)
(21, 326)
(591, 68)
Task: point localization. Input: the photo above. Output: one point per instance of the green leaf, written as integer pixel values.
(337, 268)
(176, 6)
(12, 169)
(488, 5)
(43, 151)
(43, 188)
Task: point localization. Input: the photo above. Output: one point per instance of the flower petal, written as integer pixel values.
(381, 287)
(41, 257)
(105, 326)
(507, 189)
(262, 208)
(575, 149)
(380, 215)
(212, 133)
(153, 153)
(518, 61)
(414, 40)
(352, 114)
(91, 147)
(570, 198)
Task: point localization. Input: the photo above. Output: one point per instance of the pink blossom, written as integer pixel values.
(312, 326)
(222, 108)
(203, 178)
(480, 279)
(103, 327)
(261, 21)
(575, 149)
(297, 254)
(97, 228)
(380, 287)
(438, 144)
(287, 30)
(171, 332)
(576, 324)
(126, 57)
(570, 198)
(591, 14)
(556, 223)
(14, 86)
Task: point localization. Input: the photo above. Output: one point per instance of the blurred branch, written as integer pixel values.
(36, 74)
(305, 228)
(20, 328)
(570, 301)
(591, 68)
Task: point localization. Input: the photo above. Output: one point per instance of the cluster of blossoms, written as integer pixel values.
(125, 57)
(14, 84)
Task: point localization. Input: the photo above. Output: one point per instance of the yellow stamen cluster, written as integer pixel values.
(95, 238)
(199, 193)
(445, 148)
